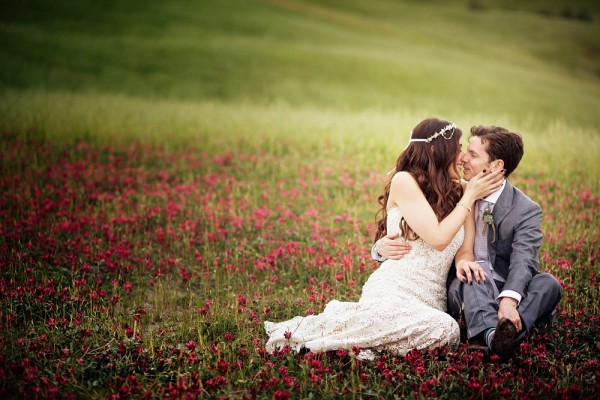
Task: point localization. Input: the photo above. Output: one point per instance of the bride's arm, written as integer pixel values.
(466, 267)
(407, 195)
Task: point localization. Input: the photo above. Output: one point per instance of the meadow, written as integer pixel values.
(175, 174)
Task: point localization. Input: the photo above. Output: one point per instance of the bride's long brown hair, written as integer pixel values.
(430, 165)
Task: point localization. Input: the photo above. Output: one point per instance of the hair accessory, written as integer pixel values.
(442, 133)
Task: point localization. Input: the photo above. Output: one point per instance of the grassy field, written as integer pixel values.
(175, 173)
(290, 69)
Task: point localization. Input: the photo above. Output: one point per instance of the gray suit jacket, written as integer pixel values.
(514, 250)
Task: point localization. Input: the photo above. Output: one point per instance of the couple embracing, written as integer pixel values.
(432, 221)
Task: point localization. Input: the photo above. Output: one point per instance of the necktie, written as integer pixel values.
(481, 243)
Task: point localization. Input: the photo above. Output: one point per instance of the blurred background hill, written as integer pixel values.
(364, 71)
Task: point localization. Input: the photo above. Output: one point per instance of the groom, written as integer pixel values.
(501, 311)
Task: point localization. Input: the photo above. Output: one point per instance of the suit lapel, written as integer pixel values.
(504, 203)
(501, 210)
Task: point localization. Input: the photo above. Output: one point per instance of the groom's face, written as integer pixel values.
(475, 159)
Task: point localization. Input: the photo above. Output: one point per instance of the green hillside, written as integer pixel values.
(298, 69)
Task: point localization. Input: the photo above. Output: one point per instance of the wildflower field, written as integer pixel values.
(149, 228)
(133, 271)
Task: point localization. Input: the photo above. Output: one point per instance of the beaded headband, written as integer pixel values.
(442, 133)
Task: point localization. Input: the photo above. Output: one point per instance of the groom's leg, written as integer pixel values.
(540, 300)
(476, 302)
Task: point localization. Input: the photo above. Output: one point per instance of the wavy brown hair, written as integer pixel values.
(430, 165)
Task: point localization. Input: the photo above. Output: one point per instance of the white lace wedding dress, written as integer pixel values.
(402, 307)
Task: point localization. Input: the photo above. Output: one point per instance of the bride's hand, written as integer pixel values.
(467, 271)
(482, 184)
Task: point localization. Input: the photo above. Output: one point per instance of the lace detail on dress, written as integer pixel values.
(402, 307)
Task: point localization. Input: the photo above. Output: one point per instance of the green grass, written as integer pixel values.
(368, 139)
(356, 75)
(416, 57)
(114, 113)
(338, 84)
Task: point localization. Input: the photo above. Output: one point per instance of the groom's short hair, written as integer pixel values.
(501, 145)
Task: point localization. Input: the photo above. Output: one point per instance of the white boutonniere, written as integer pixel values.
(488, 218)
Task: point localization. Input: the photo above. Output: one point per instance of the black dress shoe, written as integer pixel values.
(480, 347)
(505, 339)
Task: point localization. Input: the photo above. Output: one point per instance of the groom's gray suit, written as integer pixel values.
(513, 253)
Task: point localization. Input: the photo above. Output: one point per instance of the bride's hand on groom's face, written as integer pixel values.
(392, 247)
(485, 183)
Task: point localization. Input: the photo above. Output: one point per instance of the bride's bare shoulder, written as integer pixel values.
(404, 179)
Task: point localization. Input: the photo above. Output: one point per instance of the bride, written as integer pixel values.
(403, 303)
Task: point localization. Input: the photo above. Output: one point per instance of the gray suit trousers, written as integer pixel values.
(477, 304)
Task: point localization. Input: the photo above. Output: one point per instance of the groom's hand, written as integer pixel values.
(508, 309)
(392, 248)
